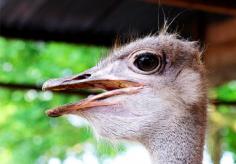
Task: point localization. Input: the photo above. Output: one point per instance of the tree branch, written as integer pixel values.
(14, 86)
(83, 92)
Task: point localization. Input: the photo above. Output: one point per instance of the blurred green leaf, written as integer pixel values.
(226, 92)
(27, 134)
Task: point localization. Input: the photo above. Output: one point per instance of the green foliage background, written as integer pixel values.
(27, 135)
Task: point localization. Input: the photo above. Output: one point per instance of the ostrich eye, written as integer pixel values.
(147, 61)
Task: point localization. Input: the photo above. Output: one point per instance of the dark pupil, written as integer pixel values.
(146, 62)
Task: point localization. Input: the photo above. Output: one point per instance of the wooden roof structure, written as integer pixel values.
(99, 22)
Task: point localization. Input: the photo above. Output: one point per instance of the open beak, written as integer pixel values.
(112, 86)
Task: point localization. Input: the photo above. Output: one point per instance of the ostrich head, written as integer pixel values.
(154, 94)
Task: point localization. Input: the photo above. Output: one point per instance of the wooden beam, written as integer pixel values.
(15, 86)
(220, 7)
(220, 54)
(220, 60)
(224, 30)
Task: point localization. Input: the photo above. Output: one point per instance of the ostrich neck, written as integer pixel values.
(179, 141)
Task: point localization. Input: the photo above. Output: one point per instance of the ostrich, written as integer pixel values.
(154, 93)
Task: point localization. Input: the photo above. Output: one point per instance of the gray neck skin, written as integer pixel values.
(180, 141)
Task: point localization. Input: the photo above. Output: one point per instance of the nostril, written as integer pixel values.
(81, 77)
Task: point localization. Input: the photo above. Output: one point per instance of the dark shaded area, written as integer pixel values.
(96, 22)
(227, 7)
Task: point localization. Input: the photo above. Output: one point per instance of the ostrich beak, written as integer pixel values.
(113, 86)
